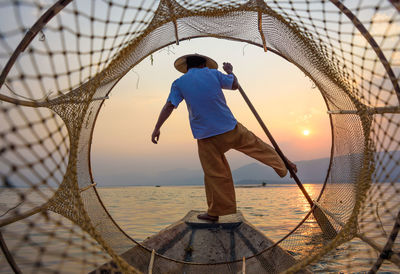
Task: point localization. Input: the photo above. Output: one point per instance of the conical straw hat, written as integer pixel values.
(180, 63)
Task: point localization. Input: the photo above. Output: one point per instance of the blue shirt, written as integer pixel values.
(201, 88)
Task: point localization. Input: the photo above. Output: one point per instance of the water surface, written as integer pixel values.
(143, 211)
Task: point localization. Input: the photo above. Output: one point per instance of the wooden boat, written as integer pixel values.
(212, 244)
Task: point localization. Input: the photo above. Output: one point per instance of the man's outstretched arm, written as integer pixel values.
(165, 113)
(229, 70)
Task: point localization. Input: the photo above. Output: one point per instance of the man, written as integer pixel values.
(215, 128)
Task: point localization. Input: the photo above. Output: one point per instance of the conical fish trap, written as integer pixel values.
(60, 60)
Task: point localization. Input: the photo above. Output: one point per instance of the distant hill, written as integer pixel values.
(254, 171)
(311, 171)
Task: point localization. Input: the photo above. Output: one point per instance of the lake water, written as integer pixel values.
(143, 211)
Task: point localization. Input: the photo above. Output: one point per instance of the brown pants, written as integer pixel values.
(218, 180)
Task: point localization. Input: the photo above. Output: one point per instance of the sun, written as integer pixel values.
(306, 132)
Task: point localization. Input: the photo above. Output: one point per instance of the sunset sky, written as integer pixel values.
(285, 98)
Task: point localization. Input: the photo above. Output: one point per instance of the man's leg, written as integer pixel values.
(218, 180)
(248, 143)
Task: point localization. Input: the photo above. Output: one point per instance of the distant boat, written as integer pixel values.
(197, 246)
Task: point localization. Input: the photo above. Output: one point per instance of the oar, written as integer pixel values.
(325, 225)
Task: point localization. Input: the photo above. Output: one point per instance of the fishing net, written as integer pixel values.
(60, 59)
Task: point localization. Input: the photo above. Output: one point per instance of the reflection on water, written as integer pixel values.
(143, 211)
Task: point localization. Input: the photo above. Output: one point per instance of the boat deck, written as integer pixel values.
(203, 242)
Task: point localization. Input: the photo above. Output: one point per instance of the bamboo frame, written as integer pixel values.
(376, 110)
(87, 187)
(357, 23)
(171, 11)
(20, 102)
(151, 263)
(394, 258)
(395, 4)
(332, 151)
(32, 32)
(261, 4)
(8, 255)
(100, 98)
(388, 246)
(77, 101)
(19, 217)
(38, 104)
(266, 249)
(177, 42)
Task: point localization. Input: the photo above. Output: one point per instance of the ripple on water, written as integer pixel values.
(274, 210)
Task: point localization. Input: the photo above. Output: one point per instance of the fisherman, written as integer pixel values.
(215, 128)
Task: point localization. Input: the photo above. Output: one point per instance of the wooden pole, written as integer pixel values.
(8, 255)
(32, 32)
(151, 262)
(18, 217)
(326, 227)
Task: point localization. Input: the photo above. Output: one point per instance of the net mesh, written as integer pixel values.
(60, 59)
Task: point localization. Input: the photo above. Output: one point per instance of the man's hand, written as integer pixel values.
(228, 68)
(155, 136)
(164, 114)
